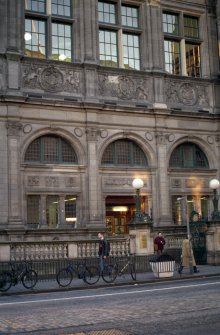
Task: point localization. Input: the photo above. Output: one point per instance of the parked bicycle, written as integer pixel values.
(19, 272)
(75, 270)
(119, 267)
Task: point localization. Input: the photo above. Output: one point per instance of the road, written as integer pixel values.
(181, 307)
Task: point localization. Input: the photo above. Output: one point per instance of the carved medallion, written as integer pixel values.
(51, 79)
(187, 94)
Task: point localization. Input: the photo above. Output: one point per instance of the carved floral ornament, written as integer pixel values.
(50, 78)
(187, 93)
(123, 87)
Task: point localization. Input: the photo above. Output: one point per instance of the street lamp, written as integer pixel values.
(214, 185)
(137, 184)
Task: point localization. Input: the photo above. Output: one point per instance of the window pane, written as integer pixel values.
(106, 12)
(33, 208)
(61, 42)
(188, 156)
(130, 16)
(70, 209)
(172, 57)
(108, 48)
(191, 27)
(61, 7)
(35, 38)
(36, 5)
(193, 60)
(170, 23)
(131, 52)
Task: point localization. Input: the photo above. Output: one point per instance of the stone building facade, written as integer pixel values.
(97, 93)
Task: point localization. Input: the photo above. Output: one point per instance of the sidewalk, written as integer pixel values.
(147, 277)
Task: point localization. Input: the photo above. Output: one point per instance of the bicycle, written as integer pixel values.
(111, 271)
(19, 272)
(79, 269)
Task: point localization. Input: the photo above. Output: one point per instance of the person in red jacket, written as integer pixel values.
(159, 243)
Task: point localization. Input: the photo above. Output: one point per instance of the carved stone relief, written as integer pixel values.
(51, 181)
(123, 87)
(176, 183)
(92, 134)
(33, 181)
(120, 182)
(192, 183)
(50, 78)
(187, 93)
(70, 182)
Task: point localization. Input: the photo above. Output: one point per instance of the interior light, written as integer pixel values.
(62, 57)
(71, 219)
(120, 209)
(27, 36)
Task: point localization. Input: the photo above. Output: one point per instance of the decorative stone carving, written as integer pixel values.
(118, 182)
(103, 133)
(123, 87)
(78, 132)
(33, 181)
(70, 182)
(187, 93)
(51, 181)
(13, 128)
(50, 78)
(176, 183)
(92, 134)
(154, 2)
(27, 128)
(210, 139)
(149, 136)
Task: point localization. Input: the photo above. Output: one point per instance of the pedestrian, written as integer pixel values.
(103, 251)
(187, 253)
(159, 243)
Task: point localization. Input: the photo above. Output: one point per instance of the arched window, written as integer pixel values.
(188, 155)
(50, 149)
(124, 152)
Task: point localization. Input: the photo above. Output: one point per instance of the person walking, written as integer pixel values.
(103, 251)
(159, 243)
(187, 253)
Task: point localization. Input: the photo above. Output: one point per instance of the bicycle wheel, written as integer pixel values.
(29, 279)
(5, 281)
(109, 273)
(64, 277)
(91, 275)
(133, 271)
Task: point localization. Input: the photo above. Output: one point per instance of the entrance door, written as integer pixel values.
(119, 212)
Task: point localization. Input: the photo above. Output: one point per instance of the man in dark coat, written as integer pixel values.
(103, 252)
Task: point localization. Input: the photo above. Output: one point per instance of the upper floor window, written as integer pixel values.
(50, 149)
(188, 155)
(48, 29)
(119, 35)
(181, 44)
(124, 152)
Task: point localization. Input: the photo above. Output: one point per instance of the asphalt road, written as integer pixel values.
(186, 307)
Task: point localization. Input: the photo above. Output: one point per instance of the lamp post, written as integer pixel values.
(137, 184)
(214, 185)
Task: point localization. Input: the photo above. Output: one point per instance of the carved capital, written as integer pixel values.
(92, 134)
(13, 128)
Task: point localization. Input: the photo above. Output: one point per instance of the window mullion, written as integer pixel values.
(120, 48)
(183, 56)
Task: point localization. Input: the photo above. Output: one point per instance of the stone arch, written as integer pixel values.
(138, 140)
(205, 147)
(71, 139)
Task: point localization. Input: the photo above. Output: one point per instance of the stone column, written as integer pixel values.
(15, 41)
(93, 182)
(14, 185)
(61, 212)
(43, 213)
(162, 189)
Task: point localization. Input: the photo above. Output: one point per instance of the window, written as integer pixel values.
(33, 209)
(124, 152)
(119, 35)
(181, 44)
(188, 155)
(50, 149)
(48, 29)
